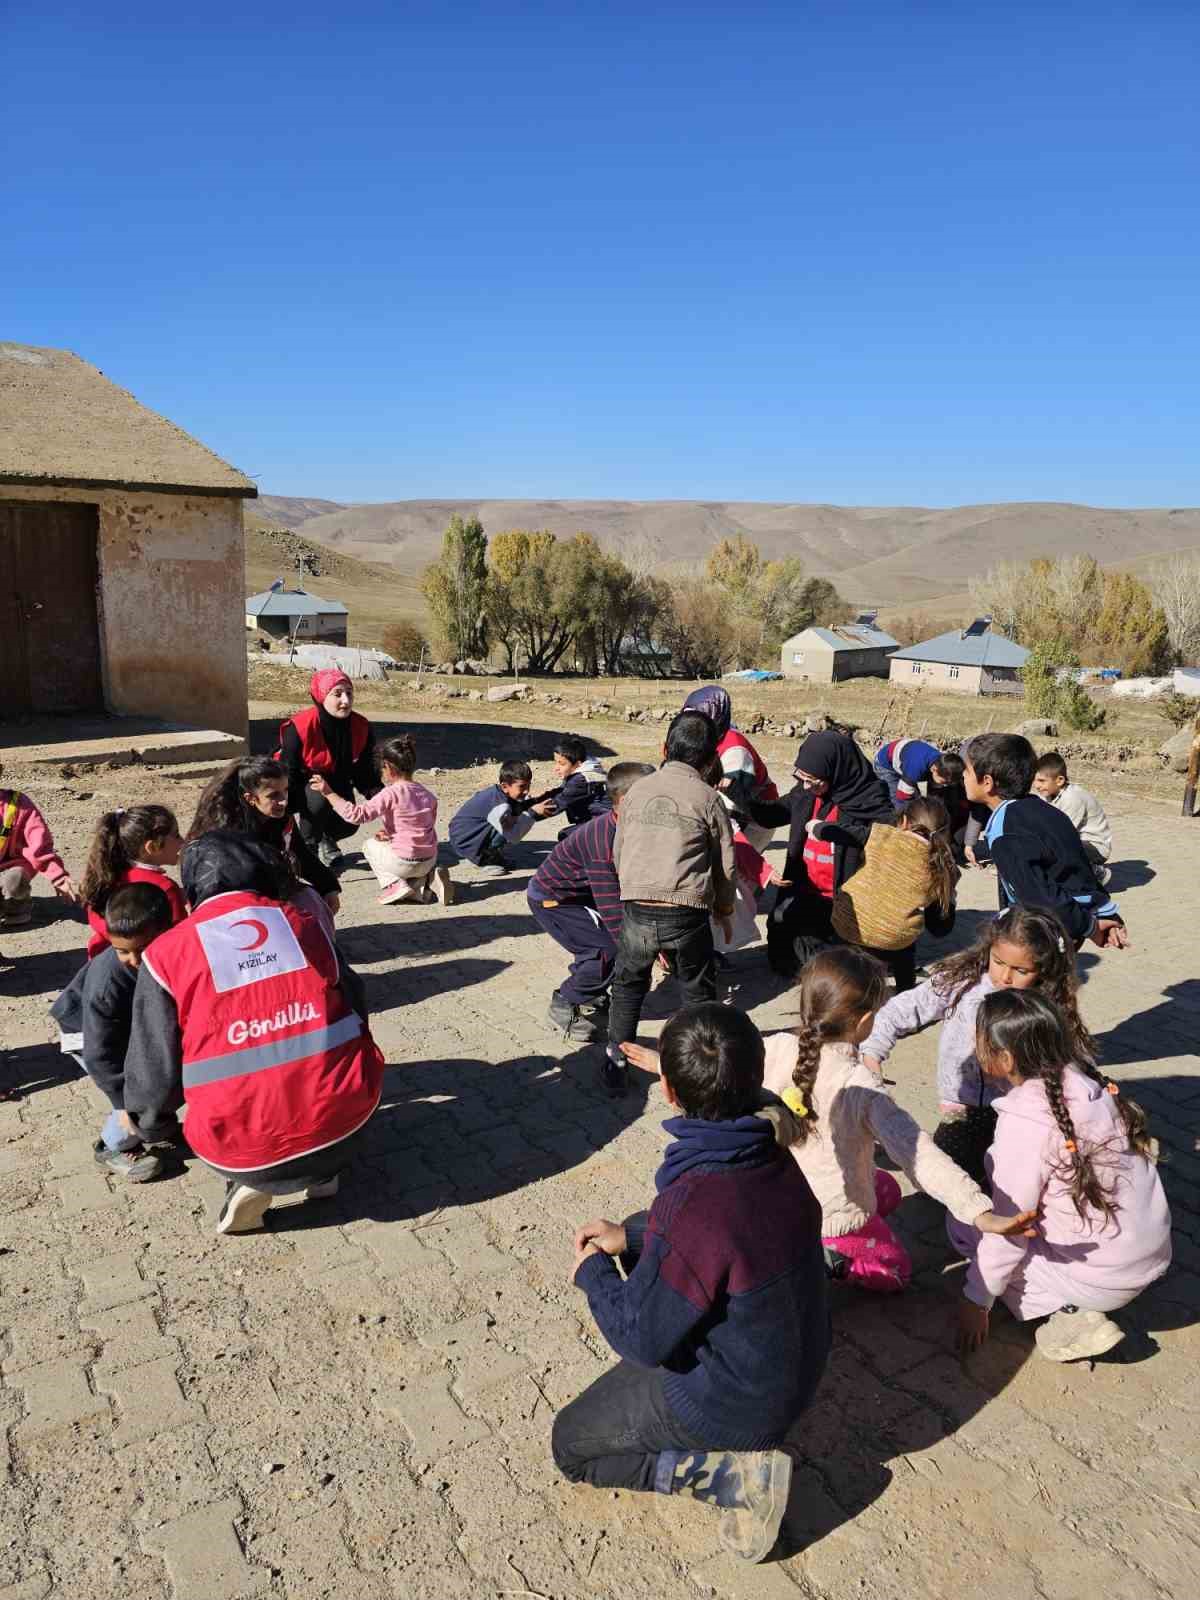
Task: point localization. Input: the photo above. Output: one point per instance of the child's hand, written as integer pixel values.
(873, 1065)
(581, 1255)
(990, 1222)
(663, 961)
(544, 808)
(127, 1122)
(334, 902)
(813, 829)
(1110, 934)
(66, 890)
(605, 1235)
(972, 1326)
(775, 881)
(640, 1055)
(318, 783)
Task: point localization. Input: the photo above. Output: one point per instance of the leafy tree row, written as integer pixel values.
(541, 603)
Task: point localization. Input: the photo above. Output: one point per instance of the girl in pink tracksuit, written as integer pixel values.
(26, 849)
(1069, 1144)
(843, 1110)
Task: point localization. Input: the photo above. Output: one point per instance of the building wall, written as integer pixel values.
(817, 665)
(330, 626)
(860, 664)
(171, 603)
(937, 675)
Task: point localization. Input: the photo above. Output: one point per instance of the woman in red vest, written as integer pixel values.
(744, 775)
(328, 737)
(248, 1016)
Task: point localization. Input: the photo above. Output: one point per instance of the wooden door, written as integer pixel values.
(49, 630)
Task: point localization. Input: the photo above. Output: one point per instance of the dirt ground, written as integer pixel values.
(355, 1403)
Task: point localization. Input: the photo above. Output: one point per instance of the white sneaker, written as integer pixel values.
(398, 894)
(494, 869)
(243, 1210)
(1071, 1335)
(442, 885)
(322, 1191)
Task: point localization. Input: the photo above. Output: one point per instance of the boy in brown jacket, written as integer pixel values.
(675, 862)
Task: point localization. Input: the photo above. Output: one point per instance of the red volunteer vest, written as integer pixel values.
(818, 855)
(764, 789)
(276, 1063)
(313, 748)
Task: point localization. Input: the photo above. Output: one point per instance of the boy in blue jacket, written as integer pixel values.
(1038, 856)
(721, 1320)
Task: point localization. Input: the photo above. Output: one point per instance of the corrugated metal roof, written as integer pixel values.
(846, 636)
(972, 647)
(66, 424)
(291, 603)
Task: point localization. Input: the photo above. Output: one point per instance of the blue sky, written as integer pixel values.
(880, 253)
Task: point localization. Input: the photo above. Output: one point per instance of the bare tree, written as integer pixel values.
(1175, 586)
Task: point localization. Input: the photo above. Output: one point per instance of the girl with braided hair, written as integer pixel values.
(843, 1109)
(1021, 949)
(1070, 1146)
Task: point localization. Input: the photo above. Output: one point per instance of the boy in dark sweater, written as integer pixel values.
(575, 897)
(1039, 860)
(95, 1016)
(721, 1320)
(582, 793)
(498, 815)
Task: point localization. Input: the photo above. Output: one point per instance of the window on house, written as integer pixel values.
(952, 672)
(916, 666)
(797, 658)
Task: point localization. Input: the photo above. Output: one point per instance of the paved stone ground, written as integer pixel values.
(357, 1402)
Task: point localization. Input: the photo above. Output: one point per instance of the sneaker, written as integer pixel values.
(442, 885)
(19, 915)
(135, 1166)
(398, 893)
(1074, 1335)
(561, 1012)
(614, 1074)
(750, 1488)
(243, 1210)
(493, 869)
(329, 852)
(323, 1191)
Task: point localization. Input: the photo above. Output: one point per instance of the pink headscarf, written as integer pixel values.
(325, 682)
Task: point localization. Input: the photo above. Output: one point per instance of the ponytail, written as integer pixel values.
(399, 753)
(836, 989)
(116, 845)
(928, 818)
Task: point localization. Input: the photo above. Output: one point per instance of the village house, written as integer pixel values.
(856, 649)
(971, 660)
(280, 613)
(122, 541)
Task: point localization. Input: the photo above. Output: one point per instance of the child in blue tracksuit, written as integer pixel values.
(95, 1017)
(583, 792)
(498, 815)
(720, 1321)
(905, 764)
(1038, 856)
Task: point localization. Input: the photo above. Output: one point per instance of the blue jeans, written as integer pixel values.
(887, 775)
(112, 1135)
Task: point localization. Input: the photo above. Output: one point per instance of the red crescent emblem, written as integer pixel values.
(262, 932)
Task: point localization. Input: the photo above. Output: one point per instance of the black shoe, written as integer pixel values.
(329, 853)
(614, 1075)
(561, 1012)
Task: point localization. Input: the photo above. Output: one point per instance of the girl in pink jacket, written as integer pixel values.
(403, 854)
(1069, 1144)
(26, 849)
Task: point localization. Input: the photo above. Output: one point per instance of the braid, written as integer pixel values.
(804, 1074)
(1136, 1126)
(1079, 1166)
(1063, 990)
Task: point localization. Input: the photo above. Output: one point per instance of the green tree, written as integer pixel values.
(532, 597)
(735, 565)
(1131, 629)
(456, 587)
(1052, 691)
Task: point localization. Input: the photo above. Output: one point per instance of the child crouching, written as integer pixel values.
(95, 1014)
(1070, 1144)
(721, 1321)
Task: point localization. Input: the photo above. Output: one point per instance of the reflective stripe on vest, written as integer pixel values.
(241, 1063)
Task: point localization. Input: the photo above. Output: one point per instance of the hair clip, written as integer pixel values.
(119, 812)
(795, 1101)
(1070, 1147)
(1111, 1088)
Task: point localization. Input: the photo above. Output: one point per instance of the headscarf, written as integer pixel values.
(335, 730)
(852, 784)
(224, 861)
(712, 702)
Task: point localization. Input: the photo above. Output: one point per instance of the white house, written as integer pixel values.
(295, 614)
(970, 660)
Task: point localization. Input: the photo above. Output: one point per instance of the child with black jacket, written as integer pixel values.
(721, 1320)
(95, 1017)
(1039, 859)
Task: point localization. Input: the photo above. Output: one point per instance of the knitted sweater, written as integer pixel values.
(883, 905)
(852, 1112)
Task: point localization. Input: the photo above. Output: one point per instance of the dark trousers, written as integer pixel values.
(289, 1177)
(807, 917)
(611, 1435)
(577, 930)
(319, 821)
(678, 932)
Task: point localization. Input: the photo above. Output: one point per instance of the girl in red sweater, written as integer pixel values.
(131, 846)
